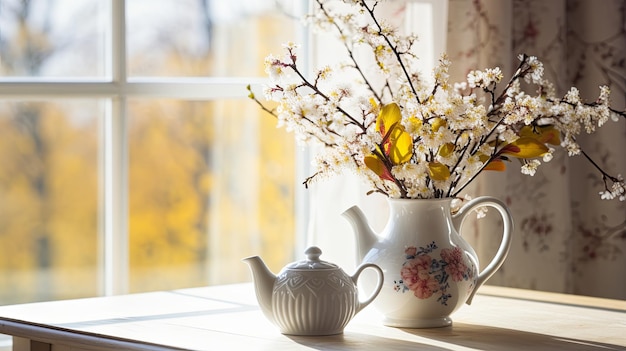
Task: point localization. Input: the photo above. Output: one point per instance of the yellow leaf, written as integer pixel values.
(415, 123)
(397, 143)
(389, 115)
(378, 166)
(400, 146)
(493, 165)
(437, 123)
(446, 149)
(545, 134)
(525, 147)
(438, 171)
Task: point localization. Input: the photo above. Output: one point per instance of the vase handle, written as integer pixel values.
(505, 244)
(379, 283)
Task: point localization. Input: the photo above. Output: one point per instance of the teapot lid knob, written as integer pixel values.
(313, 253)
(312, 261)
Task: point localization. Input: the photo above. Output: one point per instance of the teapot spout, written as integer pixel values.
(263, 280)
(365, 236)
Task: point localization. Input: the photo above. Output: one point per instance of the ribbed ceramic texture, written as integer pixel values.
(314, 304)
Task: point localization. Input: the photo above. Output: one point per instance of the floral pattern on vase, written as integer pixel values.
(426, 275)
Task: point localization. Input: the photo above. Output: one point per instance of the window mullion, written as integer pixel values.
(115, 243)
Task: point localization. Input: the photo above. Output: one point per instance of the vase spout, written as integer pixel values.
(365, 236)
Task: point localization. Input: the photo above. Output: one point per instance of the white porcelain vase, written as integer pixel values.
(430, 271)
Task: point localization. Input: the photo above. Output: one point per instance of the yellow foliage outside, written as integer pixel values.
(48, 202)
(209, 183)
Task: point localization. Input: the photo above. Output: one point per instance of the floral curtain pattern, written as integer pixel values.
(566, 238)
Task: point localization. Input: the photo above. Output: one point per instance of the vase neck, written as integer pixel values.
(412, 205)
(431, 214)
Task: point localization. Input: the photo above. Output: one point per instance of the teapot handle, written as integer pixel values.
(505, 244)
(379, 284)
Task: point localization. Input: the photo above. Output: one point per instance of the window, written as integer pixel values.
(131, 159)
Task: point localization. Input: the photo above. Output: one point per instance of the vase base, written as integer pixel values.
(418, 323)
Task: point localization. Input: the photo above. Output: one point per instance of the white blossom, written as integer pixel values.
(481, 212)
(548, 156)
(530, 167)
(457, 126)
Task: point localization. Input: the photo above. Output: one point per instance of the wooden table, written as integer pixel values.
(228, 318)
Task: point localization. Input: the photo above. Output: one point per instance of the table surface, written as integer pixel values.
(228, 317)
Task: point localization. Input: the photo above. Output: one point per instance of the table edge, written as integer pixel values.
(76, 338)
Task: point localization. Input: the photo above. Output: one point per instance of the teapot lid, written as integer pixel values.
(312, 261)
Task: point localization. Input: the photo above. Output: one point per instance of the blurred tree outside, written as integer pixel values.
(48, 202)
(48, 167)
(210, 182)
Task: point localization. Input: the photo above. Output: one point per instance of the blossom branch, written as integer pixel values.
(495, 106)
(350, 52)
(617, 188)
(254, 98)
(391, 46)
(439, 145)
(324, 96)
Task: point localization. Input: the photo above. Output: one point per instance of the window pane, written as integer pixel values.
(209, 184)
(41, 38)
(207, 38)
(48, 200)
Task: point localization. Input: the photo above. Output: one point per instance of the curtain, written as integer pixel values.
(566, 238)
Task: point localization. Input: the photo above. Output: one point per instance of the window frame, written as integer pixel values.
(116, 88)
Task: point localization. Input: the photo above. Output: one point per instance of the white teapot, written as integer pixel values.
(310, 297)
